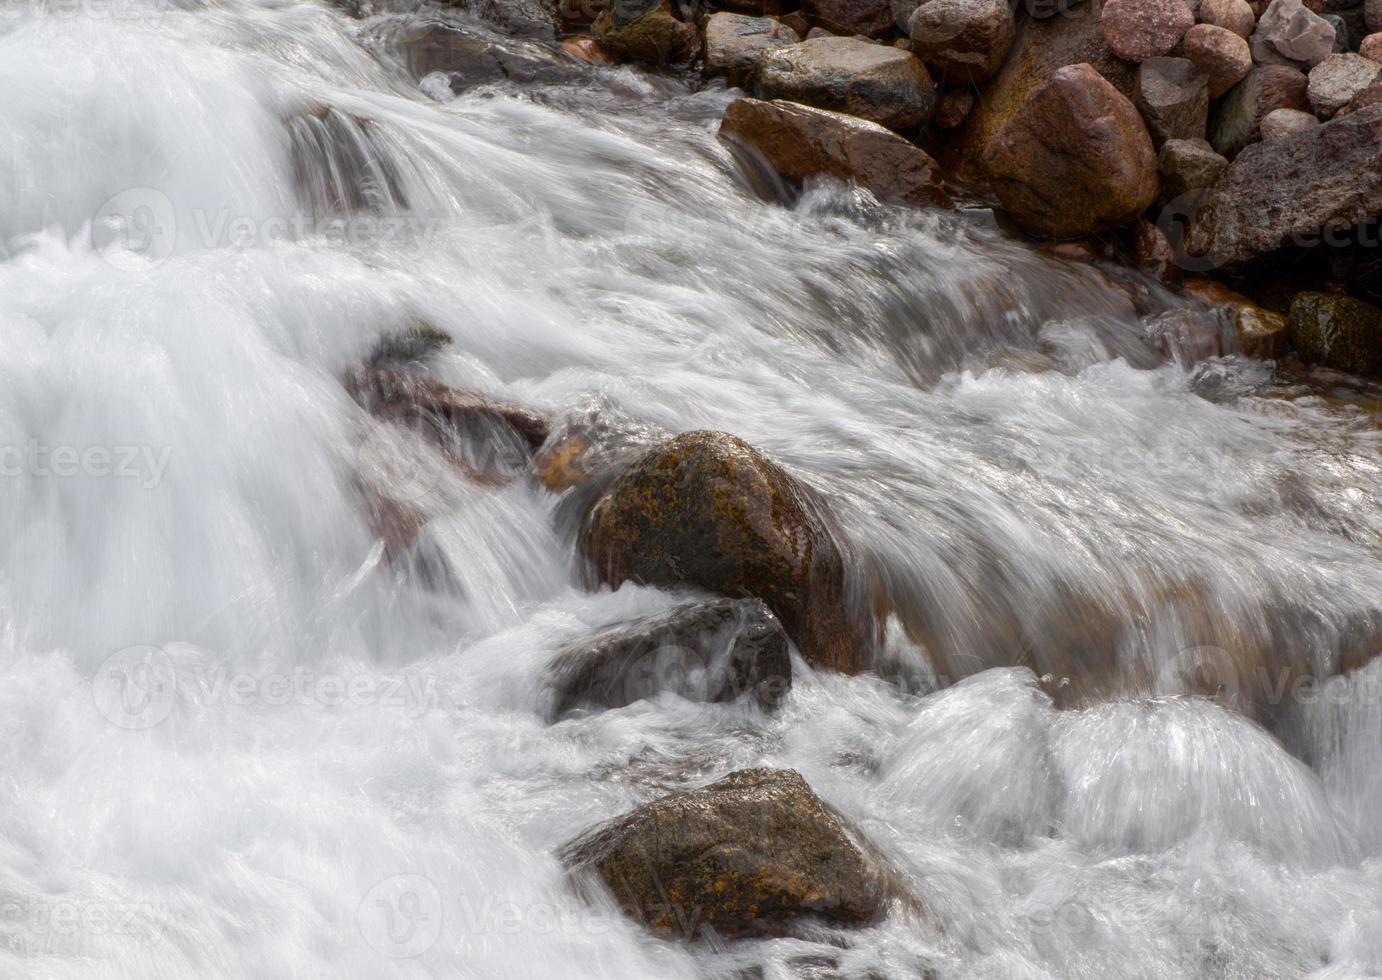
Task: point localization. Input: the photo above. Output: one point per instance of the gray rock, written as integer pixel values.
(1288, 191)
(1288, 33)
(469, 59)
(719, 650)
(1287, 122)
(872, 81)
(1187, 166)
(1173, 97)
(1334, 82)
(733, 41)
(962, 41)
(1238, 119)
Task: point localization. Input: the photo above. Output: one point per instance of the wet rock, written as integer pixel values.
(1186, 166)
(1289, 191)
(1238, 120)
(962, 41)
(1173, 97)
(1336, 80)
(1371, 47)
(1075, 159)
(1221, 56)
(749, 856)
(1259, 332)
(486, 439)
(1140, 29)
(1039, 49)
(1337, 331)
(644, 31)
(341, 166)
(716, 651)
(1288, 33)
(585, 50)
(1153, 254)
(469, 59)
(1231, 15)
(536, 19)
(707, 510)
(732, 43)
(408, 348)
(1187, 336)
(801, 143)
(869, 18)
(954, 108)
(1286, 122)
(872, 81)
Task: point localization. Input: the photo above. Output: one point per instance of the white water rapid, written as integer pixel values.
(237, 742)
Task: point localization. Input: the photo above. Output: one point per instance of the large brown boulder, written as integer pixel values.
(962, 41)
(1040, 47)
(801, 143)
(749, 856)
(707, 510)
(1076, 158)
(720, 650)
(1297, 190)
(877, 82)
(1140, 29)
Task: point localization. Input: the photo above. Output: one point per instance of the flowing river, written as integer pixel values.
(237, 741)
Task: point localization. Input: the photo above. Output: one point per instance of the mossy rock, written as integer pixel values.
(748, 856)
(1337, 331)
(706, 510)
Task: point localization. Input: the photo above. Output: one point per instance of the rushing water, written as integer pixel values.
(239, 742)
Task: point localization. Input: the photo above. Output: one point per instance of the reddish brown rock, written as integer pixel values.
(954, 108)
(706, 510)
(1039, 49)
(1221, 55)
(870, 18)
(1371, 47)
(1369, 96)
(1136, 30)
(1075, 159)
(872, 81)
(1232, 15)
(1238, 119)
(644, 31)
(801, 143)
(962, 41)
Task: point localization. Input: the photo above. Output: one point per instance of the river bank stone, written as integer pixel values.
(1287, 122)
(1338, 332)
(801, 143)
(1221, 55)
(1186, 166)
(1173, 97)
(1238, 120)
(1289, 191)
(1232, 15)
(707, 510)
(733, 41)
(962, 41)
(1289, 33)
(1136, 30)
(644, 31)
(869, 18)
(719, 650)
(749, 856)
(1337, 80)
(872, 81)
(1075, 159)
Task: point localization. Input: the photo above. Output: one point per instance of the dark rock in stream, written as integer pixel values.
(469, 59)
(645, 31)
(714, 651)
(1338, 332)
(882, 84)
(748, 856)
(706, 510)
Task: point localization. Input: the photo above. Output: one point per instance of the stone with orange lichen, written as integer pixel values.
(747, 856)
(706, 510)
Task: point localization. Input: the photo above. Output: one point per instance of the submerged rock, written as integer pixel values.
(1293, 190)
(801, 143)
(718, 651)
(872, 81)
(1075, 159)
(468, 59)
(749, 856)
(706, 510)
(1337, 331)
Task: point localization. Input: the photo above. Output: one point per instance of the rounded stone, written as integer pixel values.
(1286, 122)
(1223, 56)
(1231, 15)
(1136, 30)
